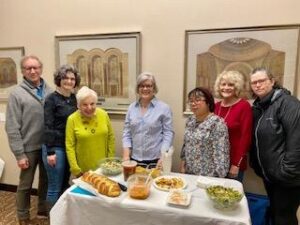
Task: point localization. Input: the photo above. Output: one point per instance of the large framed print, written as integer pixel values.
(10, 71)
(209, 52)
(107, 63)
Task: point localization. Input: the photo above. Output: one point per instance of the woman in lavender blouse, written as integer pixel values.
(148, 127)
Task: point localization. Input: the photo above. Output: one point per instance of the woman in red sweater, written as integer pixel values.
(237, 114)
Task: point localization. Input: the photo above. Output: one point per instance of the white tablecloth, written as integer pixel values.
(79, 209)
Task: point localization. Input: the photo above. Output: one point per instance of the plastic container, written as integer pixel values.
(138, 186)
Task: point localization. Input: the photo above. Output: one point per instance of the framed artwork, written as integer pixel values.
(10, 71)
(210, 52)
(107, 63)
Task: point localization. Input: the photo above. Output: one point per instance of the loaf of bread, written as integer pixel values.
(103, 184)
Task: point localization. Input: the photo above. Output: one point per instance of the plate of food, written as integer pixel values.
(179, 198)
(166, 183)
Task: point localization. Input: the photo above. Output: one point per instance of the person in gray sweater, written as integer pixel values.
(24, 127)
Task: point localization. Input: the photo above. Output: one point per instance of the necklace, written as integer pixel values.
(90, 124)
(228, 111)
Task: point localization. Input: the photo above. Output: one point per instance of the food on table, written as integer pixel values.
(224, 197)
(169, 183)
(111, 166)
(103, 184)
(178, 197)
(139, 186)
(141, 170)
(155, 172)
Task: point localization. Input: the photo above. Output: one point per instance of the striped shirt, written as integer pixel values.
(150, 133)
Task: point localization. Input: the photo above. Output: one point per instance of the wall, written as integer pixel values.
(34, 23)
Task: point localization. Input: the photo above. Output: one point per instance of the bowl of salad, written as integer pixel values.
(111, 166)
(224, 197)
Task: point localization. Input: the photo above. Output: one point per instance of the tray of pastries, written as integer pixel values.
(98, 184)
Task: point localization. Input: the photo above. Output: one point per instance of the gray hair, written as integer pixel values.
(143, 77)
(231, 76)
(85, 92)
(25, 58)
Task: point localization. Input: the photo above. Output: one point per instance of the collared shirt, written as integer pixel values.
(150, 133)
(40, 90)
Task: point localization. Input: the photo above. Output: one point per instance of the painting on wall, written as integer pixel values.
(210, 52)
(107, 63)
(10, 71)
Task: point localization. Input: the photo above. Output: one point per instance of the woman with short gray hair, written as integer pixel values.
(148, 127)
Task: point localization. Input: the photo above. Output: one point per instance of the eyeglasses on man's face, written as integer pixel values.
(29, 68)
(259, 81)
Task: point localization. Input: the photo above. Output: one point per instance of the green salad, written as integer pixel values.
(223, 197)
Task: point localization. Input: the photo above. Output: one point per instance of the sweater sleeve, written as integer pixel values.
(71, 147)
(246, 123)
(49, 118)
(13, 127)
(111, 138)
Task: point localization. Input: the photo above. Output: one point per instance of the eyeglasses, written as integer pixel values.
(261, 81)
(31, 68)
(196, 101)
(147, 86)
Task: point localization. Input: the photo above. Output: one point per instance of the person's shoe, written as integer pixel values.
(42, 215)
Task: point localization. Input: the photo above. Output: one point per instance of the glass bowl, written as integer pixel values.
(138, 186)
(111, 166)
(224, 197)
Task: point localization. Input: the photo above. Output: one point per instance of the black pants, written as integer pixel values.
(284, 202)
(145, 163)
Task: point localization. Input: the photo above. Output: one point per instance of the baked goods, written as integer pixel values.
(102, 184)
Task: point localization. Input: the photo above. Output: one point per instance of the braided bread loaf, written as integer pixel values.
(103, 184)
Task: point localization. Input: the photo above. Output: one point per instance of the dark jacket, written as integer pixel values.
(275, 153)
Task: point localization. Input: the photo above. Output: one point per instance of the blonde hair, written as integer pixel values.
(231, 76)
(85, 92)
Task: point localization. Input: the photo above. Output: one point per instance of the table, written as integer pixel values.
(78, 207)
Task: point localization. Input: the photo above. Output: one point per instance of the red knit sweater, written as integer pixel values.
(238, 118)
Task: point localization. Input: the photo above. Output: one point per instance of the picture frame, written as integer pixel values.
(107, 63)
(211, 51)
(10, 71)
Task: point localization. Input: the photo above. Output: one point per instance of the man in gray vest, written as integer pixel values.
(24, 127)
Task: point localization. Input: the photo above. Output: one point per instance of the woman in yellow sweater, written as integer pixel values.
(89, 135)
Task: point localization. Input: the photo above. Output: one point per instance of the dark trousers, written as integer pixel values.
(284, 202)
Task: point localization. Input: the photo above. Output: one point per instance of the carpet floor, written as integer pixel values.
(8, 209)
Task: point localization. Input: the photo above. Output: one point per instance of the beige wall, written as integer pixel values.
(34, 23)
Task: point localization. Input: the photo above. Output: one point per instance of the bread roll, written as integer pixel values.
(103, 184)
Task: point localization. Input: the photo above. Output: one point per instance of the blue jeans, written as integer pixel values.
(58, 176)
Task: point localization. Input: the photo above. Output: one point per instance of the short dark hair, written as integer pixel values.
(61, 73)
(268, 73)
(204, 92)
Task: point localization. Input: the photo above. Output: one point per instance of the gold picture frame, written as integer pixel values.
(10, 71)
(211, 51)
(107, 63)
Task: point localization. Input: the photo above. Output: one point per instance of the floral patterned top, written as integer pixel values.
(206, 147)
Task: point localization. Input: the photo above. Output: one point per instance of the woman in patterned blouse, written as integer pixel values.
(205, 149)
